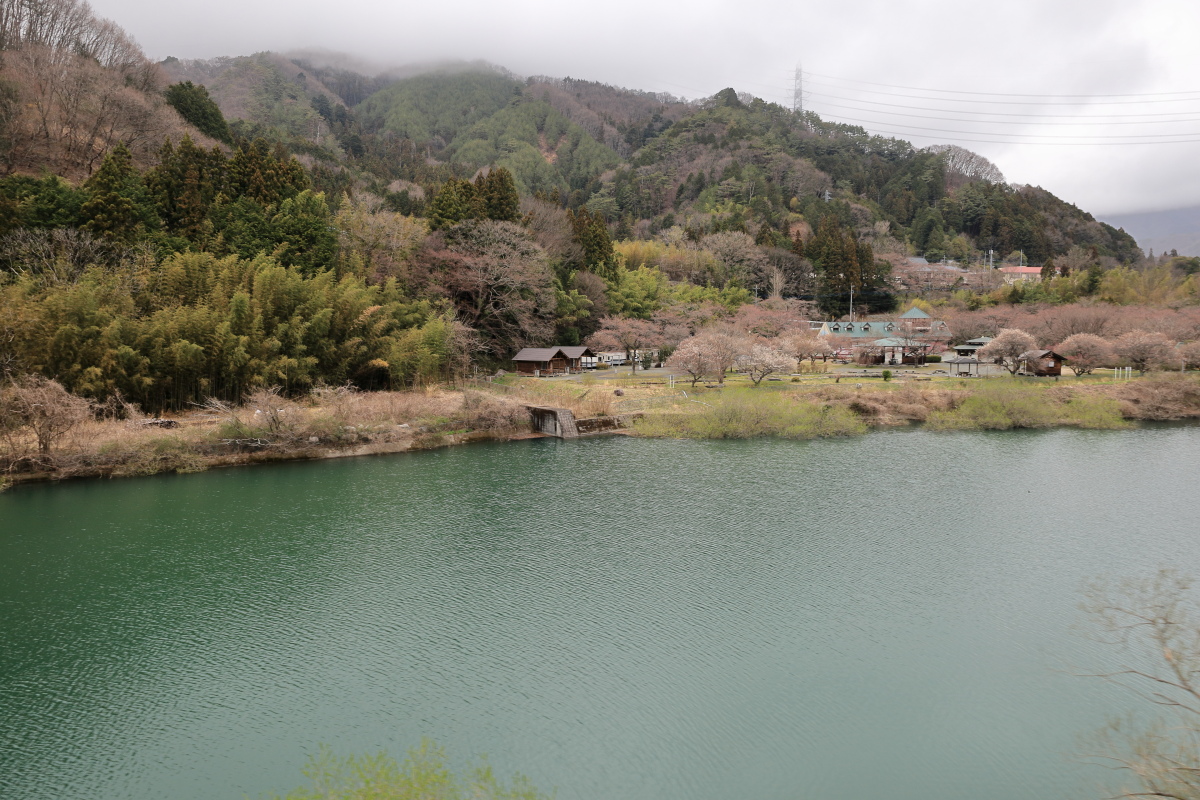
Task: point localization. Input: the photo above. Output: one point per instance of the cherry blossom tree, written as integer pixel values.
(1085, 352)
(806, 345)
(1008, 347)
(629, 335)
(1143, 349)
(725, 344)
(693, 357)
(762, 360)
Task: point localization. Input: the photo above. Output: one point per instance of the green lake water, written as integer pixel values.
(893, 616)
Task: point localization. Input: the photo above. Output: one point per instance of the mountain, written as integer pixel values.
(1163, 231)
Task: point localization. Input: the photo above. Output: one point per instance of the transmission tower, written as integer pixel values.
(798, 91)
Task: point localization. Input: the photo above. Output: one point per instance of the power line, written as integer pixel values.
(1019, 122)
(1038, 135)
(1020, 102)
(978, 113)
(1108, 117)
(1026, 143)
(997, 94)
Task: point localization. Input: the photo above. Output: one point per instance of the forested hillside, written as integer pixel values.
(193, 229)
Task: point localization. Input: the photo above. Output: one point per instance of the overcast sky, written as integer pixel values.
(901, 67)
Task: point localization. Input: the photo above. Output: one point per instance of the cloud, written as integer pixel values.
(1024, 46)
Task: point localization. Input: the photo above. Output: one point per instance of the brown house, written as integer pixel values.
(551, 360)
(576, 355)
(1041, 362)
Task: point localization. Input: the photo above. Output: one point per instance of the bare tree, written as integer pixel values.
(1008, 347)
(964, 166)
(384, 240)
(1156, 621)
(1085, 351)
(43, 408)
(1189, 354)
(1143, 350)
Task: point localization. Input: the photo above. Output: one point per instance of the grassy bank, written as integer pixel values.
(118, 441)
(798, 411)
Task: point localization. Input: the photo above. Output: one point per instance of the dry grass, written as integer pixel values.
(265, 425)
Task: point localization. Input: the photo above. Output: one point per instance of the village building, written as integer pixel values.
(539, 361)
(1041, 363)
(971, 347)
(906, 339)
(1017, 274)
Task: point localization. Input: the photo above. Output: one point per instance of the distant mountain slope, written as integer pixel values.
(435, 107)
(1163, 231)
(265, 88)
(732, 163)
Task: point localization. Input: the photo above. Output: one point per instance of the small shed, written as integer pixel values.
(540, 361)
(1041, 362)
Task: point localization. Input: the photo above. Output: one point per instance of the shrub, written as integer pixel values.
(744, 414)
(887, 374)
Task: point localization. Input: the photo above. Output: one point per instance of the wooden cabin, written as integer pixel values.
(578, 357)
(540, 361)
(1041, 363)
(552, 360)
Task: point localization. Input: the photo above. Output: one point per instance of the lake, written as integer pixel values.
(894, 615)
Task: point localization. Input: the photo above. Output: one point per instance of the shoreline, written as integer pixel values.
(443, 418)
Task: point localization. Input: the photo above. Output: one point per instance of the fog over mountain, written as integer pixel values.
(1163, 231)
(1022, 86)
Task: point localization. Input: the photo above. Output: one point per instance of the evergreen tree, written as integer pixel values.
(591, 232)
(117, 206)
(186, 184)
(455, 201)
(498, 198)
(1049, 270)
(265, 174)
(194, 105)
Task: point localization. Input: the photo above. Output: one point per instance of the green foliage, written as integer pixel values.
(637, 292)
(194, 105)
(591, 233)
(186, 184)
(118, 206)
(846, 265)
(265, 174)
(197, 326)
(437, 104)
(497, 193)
(46, 202)
(730, 297)
(306, 238)
(455, 201)
(423, 775)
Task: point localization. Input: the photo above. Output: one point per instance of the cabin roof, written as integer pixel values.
(537, 354)
(1041, 354)
(914, 313)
